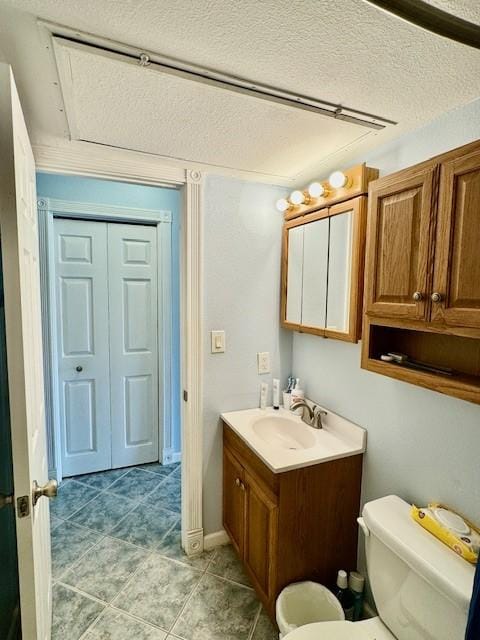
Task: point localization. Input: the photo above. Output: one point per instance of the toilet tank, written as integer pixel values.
(421, 588)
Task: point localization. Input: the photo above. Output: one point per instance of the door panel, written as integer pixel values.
(315, 266)
(399, 246)
(293, 311)
(339, 271)
(132, 260)
(233, 500)
(260, 535)
(82, 343)
(20, 260)
(457, 264)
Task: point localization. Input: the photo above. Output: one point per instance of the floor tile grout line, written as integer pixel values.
(138, 618)
(77, 560)
(239, 584)
(132, 576)
(172, 626)
(255, 622)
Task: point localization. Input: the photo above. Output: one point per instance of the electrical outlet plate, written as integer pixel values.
(263, 362)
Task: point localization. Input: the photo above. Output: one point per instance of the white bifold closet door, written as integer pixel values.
(106, 296)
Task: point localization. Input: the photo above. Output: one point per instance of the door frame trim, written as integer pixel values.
(87, 159)
(51, 208)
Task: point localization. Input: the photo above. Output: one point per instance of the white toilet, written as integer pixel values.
(421, 587)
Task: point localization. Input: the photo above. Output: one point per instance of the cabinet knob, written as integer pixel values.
(417, 296)
(79, 368)
(242, 486)
(436, 297)
(237, 482)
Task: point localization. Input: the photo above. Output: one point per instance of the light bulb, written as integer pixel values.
(297, 197)
(337, 179)
(316, 190)
(282, 205)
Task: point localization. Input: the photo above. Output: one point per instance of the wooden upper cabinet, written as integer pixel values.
(398, 249)
(457, 251)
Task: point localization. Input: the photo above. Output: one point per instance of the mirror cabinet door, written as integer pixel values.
(315, 266)
(339, 272)
(293, 312)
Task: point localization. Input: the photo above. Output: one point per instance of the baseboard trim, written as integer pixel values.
(216, 539)
(170, 457)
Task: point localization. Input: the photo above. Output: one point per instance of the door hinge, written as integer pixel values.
(5, 500)
(185, 395)
(23, 506)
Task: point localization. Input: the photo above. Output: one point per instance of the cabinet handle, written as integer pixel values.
(436, 297)
(417, 296)
(242, 486)
(237, 482)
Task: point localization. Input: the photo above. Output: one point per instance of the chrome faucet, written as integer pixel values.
(310, 415)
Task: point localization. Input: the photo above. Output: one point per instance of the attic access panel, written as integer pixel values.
(113, 101)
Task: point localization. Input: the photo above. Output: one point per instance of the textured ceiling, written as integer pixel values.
(346, 52)
(119, 104)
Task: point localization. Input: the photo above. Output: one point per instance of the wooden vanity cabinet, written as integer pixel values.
(290, 526)
(422, 276)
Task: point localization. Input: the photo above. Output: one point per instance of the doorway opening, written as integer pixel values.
(111, 329)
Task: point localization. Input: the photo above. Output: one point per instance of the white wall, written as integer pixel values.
(242, 250)
(422, 445)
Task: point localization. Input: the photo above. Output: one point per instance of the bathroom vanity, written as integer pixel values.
(291, 497)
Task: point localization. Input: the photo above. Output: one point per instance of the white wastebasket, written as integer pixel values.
(305, 602)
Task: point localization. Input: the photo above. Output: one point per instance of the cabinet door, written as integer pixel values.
(315, 266)
(457, 250)
(398, 245)
(233, 500)
(293, 251)
(260, 536)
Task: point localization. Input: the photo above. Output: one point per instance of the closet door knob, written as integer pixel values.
(437, 297)
(417, 296)
(79, 368)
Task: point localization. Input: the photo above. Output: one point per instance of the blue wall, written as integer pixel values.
(92, 190)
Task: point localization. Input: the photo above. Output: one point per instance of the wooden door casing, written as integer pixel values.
(399, 244)
(260, 544)
(233, 501)
(457, 249)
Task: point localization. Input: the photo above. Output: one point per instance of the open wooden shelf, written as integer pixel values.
(462, 354)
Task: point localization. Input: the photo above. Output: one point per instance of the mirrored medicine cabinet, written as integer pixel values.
(322, 281)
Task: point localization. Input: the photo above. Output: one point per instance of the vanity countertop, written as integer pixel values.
(284, 442)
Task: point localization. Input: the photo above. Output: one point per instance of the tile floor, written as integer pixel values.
(120, 573)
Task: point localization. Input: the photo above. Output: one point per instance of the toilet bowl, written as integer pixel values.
(421, 587)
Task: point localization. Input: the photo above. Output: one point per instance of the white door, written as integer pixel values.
(81, 290)
(132, 267)
(19, 238)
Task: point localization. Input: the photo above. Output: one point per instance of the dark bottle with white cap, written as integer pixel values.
(356, 582)
(344, 595)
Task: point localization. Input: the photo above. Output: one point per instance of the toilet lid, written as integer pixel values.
(330, 631)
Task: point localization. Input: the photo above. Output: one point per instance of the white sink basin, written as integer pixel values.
(283, 432)
(284, 442)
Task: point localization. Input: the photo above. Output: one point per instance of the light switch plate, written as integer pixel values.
(218, 341)
(263, 362)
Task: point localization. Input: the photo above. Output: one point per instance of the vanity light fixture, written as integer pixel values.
(338, 179)
(297, 197)
(282, 205)
(316, 190)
